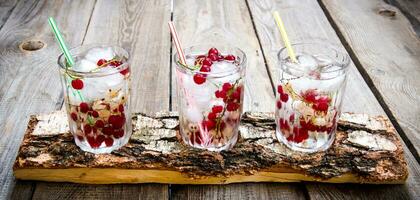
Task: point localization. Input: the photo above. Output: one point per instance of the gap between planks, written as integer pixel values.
(369, 82)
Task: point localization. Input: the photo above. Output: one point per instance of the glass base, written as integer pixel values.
(227, 146)
(101, 150)
(291, 145)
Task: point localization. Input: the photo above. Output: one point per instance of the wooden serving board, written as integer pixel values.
(366, 150)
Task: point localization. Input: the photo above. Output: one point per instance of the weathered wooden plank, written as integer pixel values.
(29, 81)
(411, 9)
(81, 191)
(212, 22)
(6, 8)
(131, 25)
(239, 191)
(305, 21)
(23, 190)
(389, 55)
(366, 150)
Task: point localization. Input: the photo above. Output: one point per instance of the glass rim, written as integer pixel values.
(344, 63)
(62, 64)
(241, 66)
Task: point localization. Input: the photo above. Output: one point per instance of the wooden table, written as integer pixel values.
(383, 79)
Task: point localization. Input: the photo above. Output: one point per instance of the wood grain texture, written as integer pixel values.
(411, 9)
(23, 190)
(305, 21)
(366, 150)
(82, 191)
(29, 82)
(239, 191)
(6, 8)
(389, 53)
(133, 26)
(213, 22)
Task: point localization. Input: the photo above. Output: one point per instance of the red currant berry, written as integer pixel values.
(125, 71)
(116, 121)
(80, 138)
(87, 128)
(77, 84)
(284, 97)
(230, 57)
(221, 57)
(208, 124)
(199, 79)
(121, 108)
(222, 125)
(108, 131)
(92, 142)
(213, 51)
(213, 57)
(101, 62)
(207, 62)
(310, 95)
(292, 118)
(99, 124)
(278, 104)
(232, 106)
(118, 133)
(236, 95)
(217, 109)
(221, 94)
(84, 107)
(109, 141)
(212, 116)
(100, 139)
(227, 86)
(321, 106)
(205, 68)
(73, 116)
(280, 89)
(95, 114)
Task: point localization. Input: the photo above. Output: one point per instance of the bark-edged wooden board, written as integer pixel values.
(366, 150)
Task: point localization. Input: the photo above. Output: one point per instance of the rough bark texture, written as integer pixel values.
(366, 150)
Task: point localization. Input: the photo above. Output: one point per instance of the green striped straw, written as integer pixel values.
(60, 40)
(63, 47)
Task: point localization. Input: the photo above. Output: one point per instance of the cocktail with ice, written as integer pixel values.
(97, 97)
(210, 95)
(309, 96)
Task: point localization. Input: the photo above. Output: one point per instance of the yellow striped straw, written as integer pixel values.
(283, 33)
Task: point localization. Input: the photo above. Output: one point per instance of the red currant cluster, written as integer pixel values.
(284, 97)
(206, 62)
(319, 102)
(98, 126)
(298, 131)
(114, 63)
(77, 84)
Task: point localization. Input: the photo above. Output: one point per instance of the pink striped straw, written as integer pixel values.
(177, 43)
(181, 57)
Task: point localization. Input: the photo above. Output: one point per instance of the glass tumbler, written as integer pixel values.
(97, 97)
(210, 96)
(309, 96)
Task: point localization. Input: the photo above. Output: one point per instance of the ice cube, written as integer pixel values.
(84, 66)
(194, 115)
(307, 63)
(98, 87)
(197, 95)
(226, 71)
(97, 53)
